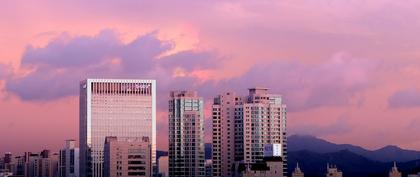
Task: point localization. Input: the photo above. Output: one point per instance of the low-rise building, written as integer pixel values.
(297, 172)
(125, 157)
(414, 175)
(163, 162)
(333, 171)
(268, 167)
(68, 165)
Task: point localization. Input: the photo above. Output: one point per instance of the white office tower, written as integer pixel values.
(114, 107)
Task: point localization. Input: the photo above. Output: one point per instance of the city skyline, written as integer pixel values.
(344, 68)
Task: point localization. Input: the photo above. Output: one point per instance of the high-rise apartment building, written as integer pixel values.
(68, 165)
(114, 107)
(186, 135)
(125, 157)
(243, 125)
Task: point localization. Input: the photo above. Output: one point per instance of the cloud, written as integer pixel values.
(305, 86)
(407, 98)
(63, 62)
(191, 60)
(4, 71)
(339, 126)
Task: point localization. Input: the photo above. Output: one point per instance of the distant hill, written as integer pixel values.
(352, 165)
(385, 154)
(208, 150)
(161, 153)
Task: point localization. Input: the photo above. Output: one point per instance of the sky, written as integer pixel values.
(348, 70)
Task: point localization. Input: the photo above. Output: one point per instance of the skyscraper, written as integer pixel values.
(114, 107)
(68, 165)
(242, 126)
(186, 135)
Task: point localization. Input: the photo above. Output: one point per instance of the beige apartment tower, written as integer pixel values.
(125, 157)
(243, 125)
(186, 135)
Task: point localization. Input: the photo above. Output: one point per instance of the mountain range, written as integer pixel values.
(385, 154)
(313, 154)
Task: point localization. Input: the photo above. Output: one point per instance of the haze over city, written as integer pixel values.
(347, 70)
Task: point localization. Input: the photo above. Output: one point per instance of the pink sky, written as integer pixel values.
(348, 70)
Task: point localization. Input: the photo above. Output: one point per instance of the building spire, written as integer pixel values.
(297, 172)
(394, 171)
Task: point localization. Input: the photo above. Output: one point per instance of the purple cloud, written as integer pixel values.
(405, 98)
(305, 86)
(191, 60)
(339, 126)
(4, 71)
(60, 65)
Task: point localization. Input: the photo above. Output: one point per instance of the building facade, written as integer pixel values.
(163, 162)
(270, 166)
(243, 125)
(186, 135)
(114, 107)
(209, 168)
(6, 163)
(414, 175)
(125, 157)
(68, 165)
